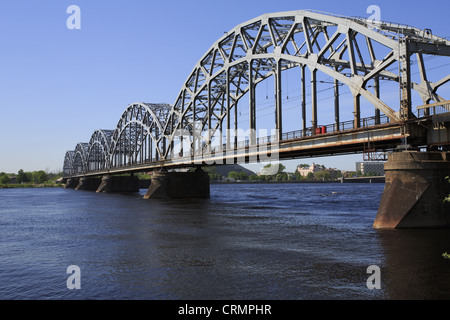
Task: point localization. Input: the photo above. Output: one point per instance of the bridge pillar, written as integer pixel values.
(90, 184)
(178, 185)
(414, 191)
(71, 183)
(113, 184)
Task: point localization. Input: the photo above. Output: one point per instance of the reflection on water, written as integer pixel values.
(415, 268)
(250, 241)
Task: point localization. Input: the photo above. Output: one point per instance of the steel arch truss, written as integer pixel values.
(98, 154)
(79, 158)
(68, 164)
(139, 136)
(353, 52)
(266, 46)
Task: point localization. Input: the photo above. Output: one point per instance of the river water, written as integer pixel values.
(248, 241)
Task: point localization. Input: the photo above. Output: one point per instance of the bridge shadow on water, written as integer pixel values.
(414, 267)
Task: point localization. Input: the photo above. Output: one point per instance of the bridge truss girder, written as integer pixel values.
(351, 51)
(266, 46)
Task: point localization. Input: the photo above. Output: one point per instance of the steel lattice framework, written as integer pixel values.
(352, 51)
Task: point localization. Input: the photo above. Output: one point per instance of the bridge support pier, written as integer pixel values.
(71, 183)
(111, 184)
(414, 191)
(178, 185)
(90, 184)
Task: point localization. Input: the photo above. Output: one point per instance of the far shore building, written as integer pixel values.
(305, 170)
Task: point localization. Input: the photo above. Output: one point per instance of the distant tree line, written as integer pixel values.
(4, 178)
(36, 177)
(272, 172)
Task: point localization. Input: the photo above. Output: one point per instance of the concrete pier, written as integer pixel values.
(179, 185)
(90, 184)
(113, 184)
(71, 183)
(414, 191)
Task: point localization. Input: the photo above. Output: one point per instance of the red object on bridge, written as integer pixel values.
(321, 130)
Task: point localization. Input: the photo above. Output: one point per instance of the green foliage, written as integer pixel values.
(39, 176)
(143, 176)
(22, 177)
(446, 255)
(238, 175)
(4, 178)
(322, 175)
(281, 176)
(29, 179)
(213, 175)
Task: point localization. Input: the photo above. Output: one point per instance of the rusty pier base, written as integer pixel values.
(179, 185)
(113, 184)
(414, 192)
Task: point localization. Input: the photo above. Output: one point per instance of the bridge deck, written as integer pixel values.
(294, 145)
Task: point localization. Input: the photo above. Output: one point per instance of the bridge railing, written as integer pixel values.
(308, 132)
(432, 110)
(267, 140)
(335, 127)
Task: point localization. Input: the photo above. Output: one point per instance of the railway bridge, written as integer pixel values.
(355, 86)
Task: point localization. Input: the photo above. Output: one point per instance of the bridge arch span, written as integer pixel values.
(360, 55)
(68, 163)
(352, 51)
(79, 158)
(139, 135)
(98, 152)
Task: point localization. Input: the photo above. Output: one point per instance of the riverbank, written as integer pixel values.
(346, 180)
(28, 185)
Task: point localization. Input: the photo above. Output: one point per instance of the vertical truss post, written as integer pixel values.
(377, 94)
(157, 145)
(336, 104)
(182, 131)
(194, 127)
(171, 141)
(145, 147)
(252, 104)
(314, 100)
(142, 147)
(235, 123)
(164, 147)
(228, 93)
(302, 68)
(150, 148)
(210, 106)
(405, 80)
(278, 100)
(357, 111)
(129, 147)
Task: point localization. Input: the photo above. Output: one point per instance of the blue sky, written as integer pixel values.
(57, 86)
